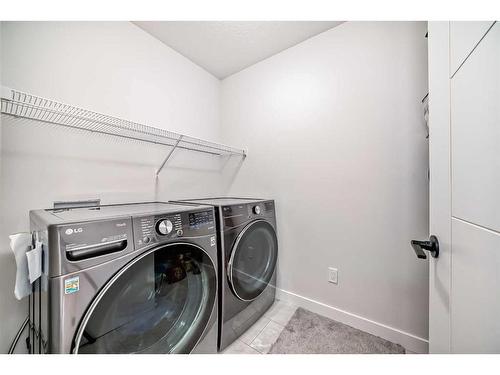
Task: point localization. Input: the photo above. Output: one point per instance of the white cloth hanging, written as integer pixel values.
(20, 243)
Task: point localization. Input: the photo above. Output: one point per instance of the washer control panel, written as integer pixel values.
(87, 240)
(161, 228)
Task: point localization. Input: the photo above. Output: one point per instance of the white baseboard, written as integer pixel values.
(410, 342)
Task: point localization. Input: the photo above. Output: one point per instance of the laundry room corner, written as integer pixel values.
(336, 133)
(108, 67)
(249, 184)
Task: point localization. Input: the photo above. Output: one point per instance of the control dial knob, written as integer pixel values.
(256, 210)
(164, 227)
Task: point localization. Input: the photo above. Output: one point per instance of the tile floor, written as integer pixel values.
(261, 336)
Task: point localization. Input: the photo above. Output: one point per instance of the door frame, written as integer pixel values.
(440, 185)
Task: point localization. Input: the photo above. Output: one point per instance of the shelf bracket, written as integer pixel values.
(169, 155)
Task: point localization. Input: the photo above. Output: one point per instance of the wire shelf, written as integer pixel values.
(21, 104)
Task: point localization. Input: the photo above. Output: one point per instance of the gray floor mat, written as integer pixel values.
(310, 333)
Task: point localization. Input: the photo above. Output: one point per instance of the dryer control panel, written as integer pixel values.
(239, 214)
(161, 228)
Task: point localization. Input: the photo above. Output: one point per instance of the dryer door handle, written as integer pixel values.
(94, 250)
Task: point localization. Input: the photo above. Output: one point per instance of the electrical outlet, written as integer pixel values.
(333, 275)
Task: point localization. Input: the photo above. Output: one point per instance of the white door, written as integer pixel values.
(464, 120)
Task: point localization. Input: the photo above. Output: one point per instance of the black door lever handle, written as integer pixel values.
(431, 246)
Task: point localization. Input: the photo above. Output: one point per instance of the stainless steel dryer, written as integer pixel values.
(134, 278)
(248, 255)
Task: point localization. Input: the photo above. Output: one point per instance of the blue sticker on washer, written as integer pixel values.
(72, 285)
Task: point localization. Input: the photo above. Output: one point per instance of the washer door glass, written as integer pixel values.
(160, 302)
(253, 260)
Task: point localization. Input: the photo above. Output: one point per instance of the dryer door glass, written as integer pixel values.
(253, 259)
(161, 302)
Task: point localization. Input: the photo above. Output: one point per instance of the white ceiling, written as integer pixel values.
(226, 47)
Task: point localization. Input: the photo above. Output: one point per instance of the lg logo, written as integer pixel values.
(71, 231)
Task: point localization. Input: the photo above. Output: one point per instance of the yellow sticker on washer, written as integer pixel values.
(72, 285)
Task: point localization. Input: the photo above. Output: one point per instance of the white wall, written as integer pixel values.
(113, 68)
(335, 133)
